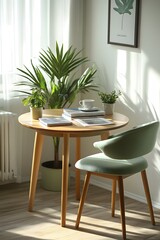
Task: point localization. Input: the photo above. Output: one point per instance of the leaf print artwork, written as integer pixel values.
(123, 22)
(123, 6)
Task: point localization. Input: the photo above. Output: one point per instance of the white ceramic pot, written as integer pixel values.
(109, 108)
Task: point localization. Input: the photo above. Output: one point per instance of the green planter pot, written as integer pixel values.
(51, 178)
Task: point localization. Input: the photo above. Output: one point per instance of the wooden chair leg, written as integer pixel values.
(148, 197)
(113, 197)
(82, 199)
(122, 207)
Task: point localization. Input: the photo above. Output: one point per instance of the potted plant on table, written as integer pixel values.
(57, 79)
(36, 101)
(108, 100)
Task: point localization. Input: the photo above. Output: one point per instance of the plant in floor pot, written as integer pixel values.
(109, 100)
(60, 80)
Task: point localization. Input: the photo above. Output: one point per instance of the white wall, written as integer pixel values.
(135, 71)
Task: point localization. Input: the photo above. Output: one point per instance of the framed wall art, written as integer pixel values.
(123, 18)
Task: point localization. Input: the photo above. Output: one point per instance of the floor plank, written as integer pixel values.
(96, 223)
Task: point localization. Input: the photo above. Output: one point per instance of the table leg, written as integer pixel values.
(78, 154)
(104, 135)
(65, 169)
(38, 142)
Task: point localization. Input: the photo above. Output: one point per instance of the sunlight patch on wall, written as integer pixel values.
(127, 74)
(134, 77)
(121, 69)
(153, 89)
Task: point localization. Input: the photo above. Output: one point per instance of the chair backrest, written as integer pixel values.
(130, 144)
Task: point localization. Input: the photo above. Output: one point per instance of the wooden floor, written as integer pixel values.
(96, 223)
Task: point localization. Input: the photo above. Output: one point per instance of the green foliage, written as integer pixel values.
(124, 6)
(35, 99)
(62, 84)
(37, 86)
(56, 81)
(109, 97)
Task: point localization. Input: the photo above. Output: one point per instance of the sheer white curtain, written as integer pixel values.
(26, 27)
(24, 30)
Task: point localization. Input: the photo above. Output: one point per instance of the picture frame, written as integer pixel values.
(123, 20)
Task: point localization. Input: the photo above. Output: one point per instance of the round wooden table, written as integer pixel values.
(65, 132)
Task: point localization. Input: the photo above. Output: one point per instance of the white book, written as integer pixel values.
(54, 121)
(80, 112)
(92, 121)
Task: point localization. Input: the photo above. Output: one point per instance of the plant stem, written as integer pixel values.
(122, 22)
(56, 141)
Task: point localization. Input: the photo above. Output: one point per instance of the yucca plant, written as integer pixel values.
(57, 79)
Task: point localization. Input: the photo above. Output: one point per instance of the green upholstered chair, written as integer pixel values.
(121, 156)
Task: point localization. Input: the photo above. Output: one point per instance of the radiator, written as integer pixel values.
(8, 166)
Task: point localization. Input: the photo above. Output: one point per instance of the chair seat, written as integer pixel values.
(100, 163)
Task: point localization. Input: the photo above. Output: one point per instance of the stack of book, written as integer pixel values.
(86, 118)
(70, 113)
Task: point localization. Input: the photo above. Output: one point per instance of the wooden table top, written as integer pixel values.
(74, 130)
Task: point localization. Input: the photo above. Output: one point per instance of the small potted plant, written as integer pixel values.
(36, 101)
(109, 99)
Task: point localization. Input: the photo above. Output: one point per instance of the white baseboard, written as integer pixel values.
(21, 179)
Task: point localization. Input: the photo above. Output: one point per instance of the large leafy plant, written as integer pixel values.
(58, 78)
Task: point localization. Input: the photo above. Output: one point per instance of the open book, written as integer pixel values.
(92, 121)
(54, 121)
